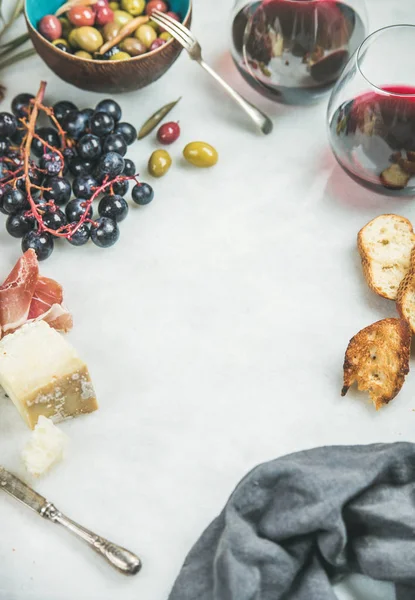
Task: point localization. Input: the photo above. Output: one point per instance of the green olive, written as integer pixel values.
(83, 54)
(166, 36)
(159, 163)
(110, 30)
(134, 7)
(146, 35)
(66, 26)
(89, 38)
(121, 17)
(133, 46)
(114, 6)
(200, 154)
(60, 41)
(120, 56)
(154, 25)
(73, 39)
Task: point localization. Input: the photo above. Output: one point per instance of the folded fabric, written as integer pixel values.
(295, 524)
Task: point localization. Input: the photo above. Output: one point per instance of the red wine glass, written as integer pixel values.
(371, 114)
(293, 51)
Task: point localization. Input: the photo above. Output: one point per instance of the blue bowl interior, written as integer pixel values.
(36, 9)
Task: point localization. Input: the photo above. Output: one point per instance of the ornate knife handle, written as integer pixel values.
(121, 559)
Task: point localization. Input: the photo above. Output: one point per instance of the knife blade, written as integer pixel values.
(22, 492)
(118, 557)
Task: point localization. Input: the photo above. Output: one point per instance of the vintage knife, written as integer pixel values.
(121, 559)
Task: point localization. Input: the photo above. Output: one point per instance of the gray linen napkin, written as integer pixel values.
(294, 524)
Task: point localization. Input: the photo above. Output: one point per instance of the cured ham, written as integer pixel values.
(26, 296)
(17, 291)
(47, 305)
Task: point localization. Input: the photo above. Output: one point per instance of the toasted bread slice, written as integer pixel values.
(385, 246)
(377, 359)
(405, 302)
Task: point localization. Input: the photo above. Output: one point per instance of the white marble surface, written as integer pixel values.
(215, 332)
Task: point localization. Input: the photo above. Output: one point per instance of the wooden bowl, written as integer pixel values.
(104, 76)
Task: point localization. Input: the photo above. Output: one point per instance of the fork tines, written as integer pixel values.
(176, 29)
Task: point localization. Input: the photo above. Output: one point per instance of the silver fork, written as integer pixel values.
(186, 38)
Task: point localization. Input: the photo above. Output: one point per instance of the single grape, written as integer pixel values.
(114, 207)
(105, 232)
(3, 190)
(142, 194)
(51, 162)
(120, 188)
(50, 136)
(129, 168)
(60, 191)
(79, 166)
(111, 164)
(89, 147)
(75, 124)
(20, 105)
(115, 143)
(110, 107)
(14, 200)
(62, 108)
(128, 132)
(40, 241)
(68, 155)
(101, 123)
(54, 219)
(36, 178)
(76, 208)
(88, 112)
(4, 146)
(81, 235)
(18, 136)
(84, 186)
(8, 124)
(4, 171)
(19, 224)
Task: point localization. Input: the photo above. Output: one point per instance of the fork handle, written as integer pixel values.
(259, 118)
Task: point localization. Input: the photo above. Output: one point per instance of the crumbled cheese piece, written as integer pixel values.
(45, 448)
(43, 375)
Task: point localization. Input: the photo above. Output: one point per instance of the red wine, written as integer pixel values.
(293, 51)
(373, 138)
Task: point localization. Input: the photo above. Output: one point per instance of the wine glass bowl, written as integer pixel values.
(293, 51)
(371, 114)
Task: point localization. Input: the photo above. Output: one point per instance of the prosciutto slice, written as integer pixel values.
(17, 291)
(47, 305)
(26, 296)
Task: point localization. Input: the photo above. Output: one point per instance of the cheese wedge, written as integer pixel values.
(43, 375)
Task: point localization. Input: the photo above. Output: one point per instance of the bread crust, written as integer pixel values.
(405, 302)
(377, 359)
(367, 255)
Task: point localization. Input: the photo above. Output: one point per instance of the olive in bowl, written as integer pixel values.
(129, 73)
